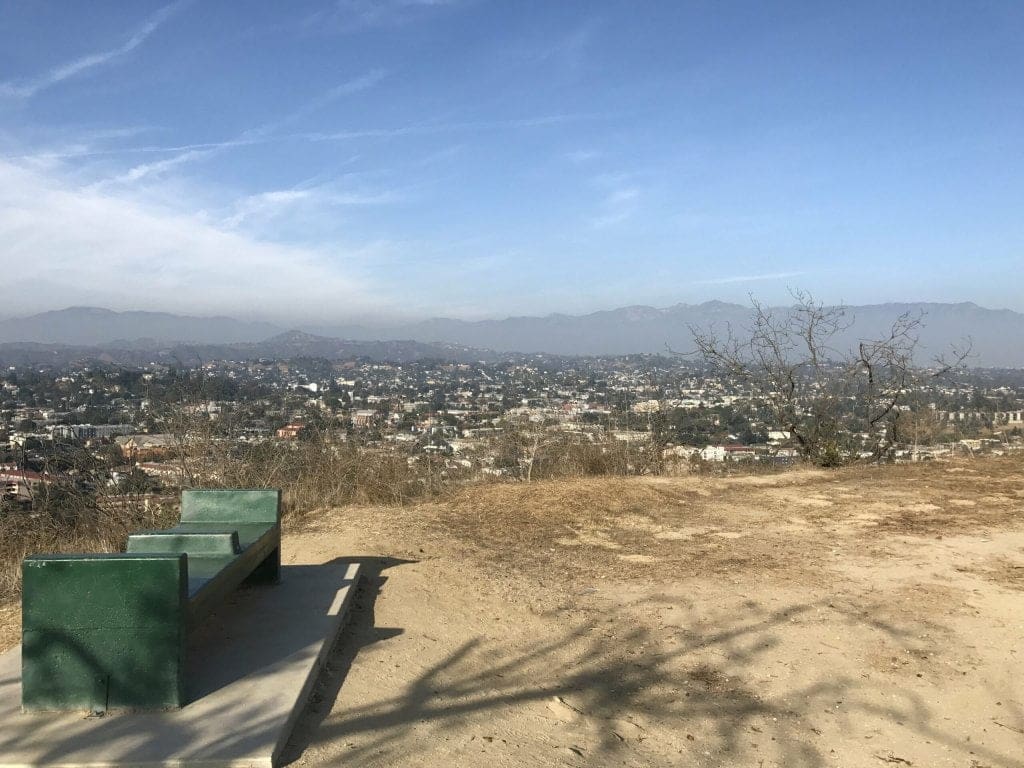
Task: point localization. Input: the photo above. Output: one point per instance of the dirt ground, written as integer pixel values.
(854, 618)
(859, 617)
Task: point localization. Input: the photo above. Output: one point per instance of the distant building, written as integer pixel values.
(647, 406)
(1009, 418)
(631, 436)
(289, 431)
(713, 453)
(172, 473)
(740, 452)
(363, 418)
(91, 431)
(145, 447)
(19, 485)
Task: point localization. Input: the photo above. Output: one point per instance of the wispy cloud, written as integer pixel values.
(448, 127)
(618, 206)
(747, 278)
(123, 252)
(144, 170)
(270, 132)
(560, 55)
(265, 205)
(583, 156)
(351, 15)
(259, 135)
(29, 88)
(358, 84)
(569, 52)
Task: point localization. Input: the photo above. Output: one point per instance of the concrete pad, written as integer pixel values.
(252, 667)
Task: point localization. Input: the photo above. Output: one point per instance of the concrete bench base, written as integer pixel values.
(247, 686)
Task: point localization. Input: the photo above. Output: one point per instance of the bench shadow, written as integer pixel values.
(237, 640)
(359, 632)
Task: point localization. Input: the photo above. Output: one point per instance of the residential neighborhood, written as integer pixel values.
(661, 414)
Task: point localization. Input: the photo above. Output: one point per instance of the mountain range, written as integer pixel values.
(997, 336)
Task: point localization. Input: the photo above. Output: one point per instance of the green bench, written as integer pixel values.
(109, 631)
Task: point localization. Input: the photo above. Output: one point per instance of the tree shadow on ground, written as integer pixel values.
(610, 681)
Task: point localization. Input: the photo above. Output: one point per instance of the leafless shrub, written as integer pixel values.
(320, 473)
(816, 391)
(531, 453)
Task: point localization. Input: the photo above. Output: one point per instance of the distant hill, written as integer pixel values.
(998, 335)
(287, 345)
(94, 326)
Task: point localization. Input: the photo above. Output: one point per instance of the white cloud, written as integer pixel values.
(747, 278)
(619, 205)
(350, 15)
(144, 170)
(266, 205)
(28, 88)
(61, 245)
(188, 153)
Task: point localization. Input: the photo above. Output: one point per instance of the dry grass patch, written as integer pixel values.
(10, 625)
(86, 529)
(1005, 572)
(774, 523)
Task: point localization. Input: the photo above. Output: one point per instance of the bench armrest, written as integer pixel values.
(104, 631)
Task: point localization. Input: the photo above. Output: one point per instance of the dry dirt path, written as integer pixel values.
(858, 618)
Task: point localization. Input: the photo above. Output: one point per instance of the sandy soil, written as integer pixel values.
(858, 618)
(854, 618)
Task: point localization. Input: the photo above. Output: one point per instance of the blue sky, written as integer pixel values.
(475, 158)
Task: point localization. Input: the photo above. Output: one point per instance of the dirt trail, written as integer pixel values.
(858, 618)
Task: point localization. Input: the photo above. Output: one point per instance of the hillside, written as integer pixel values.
(858, 617)
(997, 334)
(284, 346)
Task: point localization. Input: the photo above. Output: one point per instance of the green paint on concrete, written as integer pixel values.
(191, 543)
(108, 631)
(234, 506)
(103, 632)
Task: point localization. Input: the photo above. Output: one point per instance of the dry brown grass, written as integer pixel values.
(1005, 572)
(672, 527)
(779, 524)
(103, 528)
(315, 475)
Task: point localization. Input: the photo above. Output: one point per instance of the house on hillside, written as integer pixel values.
(364, 418)
(145, 447)
(19, 485)
(713, 453)
(289, 431)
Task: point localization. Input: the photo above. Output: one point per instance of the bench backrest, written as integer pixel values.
(258, 505)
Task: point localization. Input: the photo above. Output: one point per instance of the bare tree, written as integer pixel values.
(822, 395)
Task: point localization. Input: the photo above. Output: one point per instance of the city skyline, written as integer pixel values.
(415, 158)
